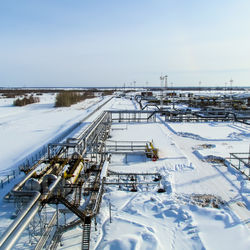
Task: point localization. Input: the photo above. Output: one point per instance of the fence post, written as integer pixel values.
(110, 220)
(14, 174)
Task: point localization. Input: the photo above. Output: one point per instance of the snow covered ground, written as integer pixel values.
(175, 219)
(25, 129)
(180, 218)
(223, 138)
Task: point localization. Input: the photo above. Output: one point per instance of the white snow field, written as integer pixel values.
(180, 218)
(25, 129)
(174, 220)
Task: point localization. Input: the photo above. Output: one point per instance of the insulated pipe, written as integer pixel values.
(76, 173)
(103, 116)
(10, 241)
(19, 219)
(84, 152)
(52, 187)
(104, 171)
(79, 137)
(43, 240)
(98, 199)
(20, 184)
(18, 226)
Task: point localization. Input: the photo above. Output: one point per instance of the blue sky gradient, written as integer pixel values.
(112, 42)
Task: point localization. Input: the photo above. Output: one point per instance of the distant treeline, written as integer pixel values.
(64, 98)
(67, 98)
(26, 100)
(13, 93)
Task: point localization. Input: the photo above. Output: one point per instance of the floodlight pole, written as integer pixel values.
(166, 81)
(231, 87)
(162, 79)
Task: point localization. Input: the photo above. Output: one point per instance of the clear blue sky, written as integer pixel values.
(112, 42)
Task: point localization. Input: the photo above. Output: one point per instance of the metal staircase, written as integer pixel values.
(86, 233)
(71, 207)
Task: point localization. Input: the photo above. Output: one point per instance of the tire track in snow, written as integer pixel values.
(206, 169)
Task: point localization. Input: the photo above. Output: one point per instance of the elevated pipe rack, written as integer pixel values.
(89, 139)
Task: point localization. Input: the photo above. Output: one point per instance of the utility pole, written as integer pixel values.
(199, 86)
(231, 93)
(173, 94)
(225, 96)
(231, 85)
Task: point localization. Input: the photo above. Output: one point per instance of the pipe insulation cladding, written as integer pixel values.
(8, 236)
(15, 230)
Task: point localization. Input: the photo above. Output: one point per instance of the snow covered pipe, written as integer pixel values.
(98, 199)
(20, 184)
(80, 136)
(99, 121)
(104, 171)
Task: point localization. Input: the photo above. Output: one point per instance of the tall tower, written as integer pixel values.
(231, 85)
(166, 81)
